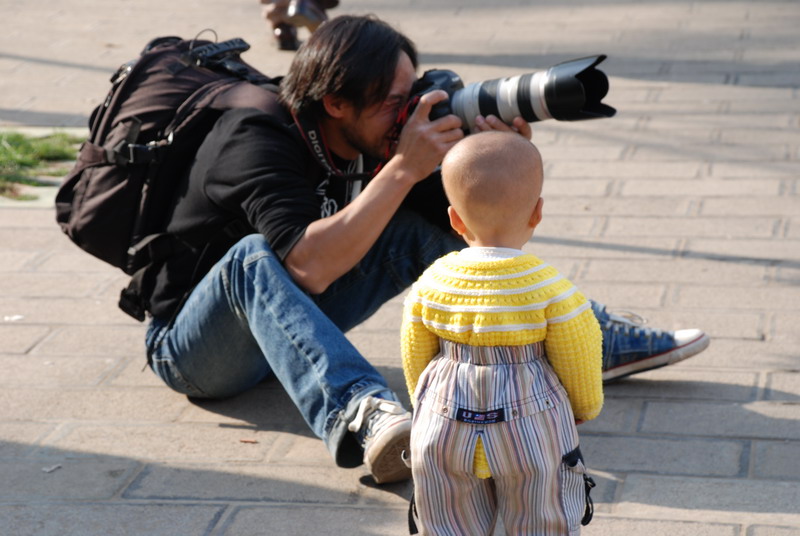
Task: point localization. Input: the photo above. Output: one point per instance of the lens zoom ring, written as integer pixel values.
(487, 98)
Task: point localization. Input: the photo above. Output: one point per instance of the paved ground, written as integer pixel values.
(685, 208)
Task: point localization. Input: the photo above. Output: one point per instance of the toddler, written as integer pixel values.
(502, 357)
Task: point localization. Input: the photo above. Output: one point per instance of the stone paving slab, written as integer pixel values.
(47, 371)
(262, 482)
(682, 382)
(773, 531)
(74, 480)
(105, 519)
(249, 520)
(606, 526)
(738, 354)
(696, 457)
(770, 460)
(683, 208)
(698, 499)
(55, 311)
(760, 419)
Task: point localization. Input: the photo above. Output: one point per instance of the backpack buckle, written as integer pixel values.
(133, 153)
(142, 154)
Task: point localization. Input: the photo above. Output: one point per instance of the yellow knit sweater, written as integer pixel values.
(505, 302)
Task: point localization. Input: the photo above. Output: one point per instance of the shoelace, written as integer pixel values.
(630, 322)
(368, 411)
(629, 317)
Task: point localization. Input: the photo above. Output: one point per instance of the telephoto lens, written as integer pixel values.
(569, 91)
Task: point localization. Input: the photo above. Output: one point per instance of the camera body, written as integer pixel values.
(432, 80)
(569, 91)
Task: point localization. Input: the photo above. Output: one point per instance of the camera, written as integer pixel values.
(569, 91)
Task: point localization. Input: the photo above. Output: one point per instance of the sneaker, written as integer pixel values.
(383, 427)
(629, 347)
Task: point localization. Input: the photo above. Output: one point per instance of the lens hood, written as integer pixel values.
(573, 90)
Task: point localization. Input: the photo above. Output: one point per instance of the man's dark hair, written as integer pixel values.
(352, 57)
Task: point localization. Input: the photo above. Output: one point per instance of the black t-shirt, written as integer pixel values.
(254, 169)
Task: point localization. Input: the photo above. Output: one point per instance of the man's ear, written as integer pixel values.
(335, 106)
(455, 221)
(536, 215)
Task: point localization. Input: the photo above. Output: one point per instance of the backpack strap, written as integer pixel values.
(588, 513)
(212, 52)
(145, 253)
(571, 459)
(127, 151)
(224, 56)
(90, 154)
(130, 299)
(134, 299)
(412, 516)
(153, 248)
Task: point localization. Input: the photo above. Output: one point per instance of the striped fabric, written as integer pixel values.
(531, 489)
(521, 382)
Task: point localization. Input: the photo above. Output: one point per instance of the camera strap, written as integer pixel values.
(402, 118)
(315, 140)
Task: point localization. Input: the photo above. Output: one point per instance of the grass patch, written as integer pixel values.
(24, 158)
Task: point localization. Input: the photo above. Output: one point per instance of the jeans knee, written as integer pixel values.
(252, 243)
(248, 250)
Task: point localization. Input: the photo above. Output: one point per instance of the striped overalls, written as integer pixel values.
(510, 398)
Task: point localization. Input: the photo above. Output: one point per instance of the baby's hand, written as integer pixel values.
(491, 122)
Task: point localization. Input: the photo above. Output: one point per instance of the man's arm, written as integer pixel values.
(332, 246)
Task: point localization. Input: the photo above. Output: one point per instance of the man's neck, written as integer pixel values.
(335, 140)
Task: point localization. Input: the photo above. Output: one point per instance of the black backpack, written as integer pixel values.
(143, 138)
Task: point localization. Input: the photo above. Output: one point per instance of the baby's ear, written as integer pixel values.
(536, 215)
(455, 221)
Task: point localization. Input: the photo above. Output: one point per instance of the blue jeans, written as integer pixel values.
(247, 321)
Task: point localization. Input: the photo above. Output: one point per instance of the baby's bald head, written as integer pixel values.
(493, 180)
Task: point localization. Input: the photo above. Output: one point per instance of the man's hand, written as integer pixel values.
(423, 143)
(519, 125)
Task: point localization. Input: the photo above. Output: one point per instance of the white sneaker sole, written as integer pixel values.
(384, 458)
(692, 347)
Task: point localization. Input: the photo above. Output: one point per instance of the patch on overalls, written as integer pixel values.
(481, 417)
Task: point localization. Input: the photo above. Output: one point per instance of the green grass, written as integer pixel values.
(24, 158)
